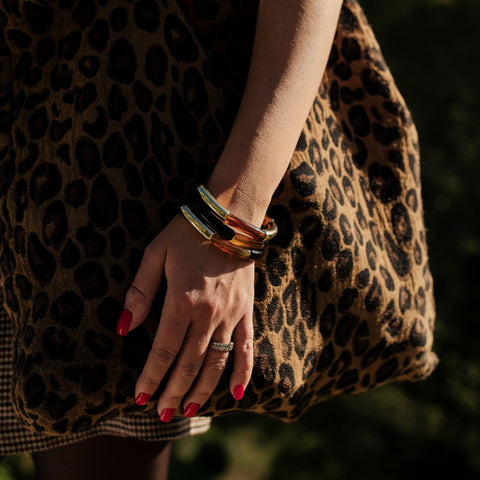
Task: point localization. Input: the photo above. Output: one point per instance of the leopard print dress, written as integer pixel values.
(50, 47)
(107, 107)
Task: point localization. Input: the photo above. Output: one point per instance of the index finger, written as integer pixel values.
(166, 345)
(142, 291)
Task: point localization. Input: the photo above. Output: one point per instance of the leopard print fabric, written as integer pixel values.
(111, 112)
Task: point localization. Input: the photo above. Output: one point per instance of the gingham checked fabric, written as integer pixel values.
(15, 438)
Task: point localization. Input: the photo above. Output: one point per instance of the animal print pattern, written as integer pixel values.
(111, 112)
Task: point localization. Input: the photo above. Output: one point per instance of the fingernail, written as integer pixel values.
(167, 414)
(238, 392)
(191, 410)
(142, 398)
(124, 322)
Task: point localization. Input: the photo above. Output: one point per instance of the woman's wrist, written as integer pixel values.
(239, 199)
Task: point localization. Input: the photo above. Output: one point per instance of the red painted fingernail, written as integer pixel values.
(124, 322)
(191, 410)
(142, 398)
(238, 392)
(167, 414)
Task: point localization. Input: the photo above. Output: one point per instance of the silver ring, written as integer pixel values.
(222, 347)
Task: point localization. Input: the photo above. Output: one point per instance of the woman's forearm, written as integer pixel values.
(292, 43)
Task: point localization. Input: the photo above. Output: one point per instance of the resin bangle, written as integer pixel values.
(218, 241)
(265, 233)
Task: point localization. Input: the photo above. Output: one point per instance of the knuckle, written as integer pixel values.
(217, 366)
(206, 307)
(202, 396)
(197, 297)
(244, 366)
(190, 370)
(185, 300)
(148, 382)
(246, 348)
(209, 308)
(249, 365)
(162, 356)
(135, 295)
(174, 399)
(191, 301)
(246, 361)
(151, 252)
(243, 371)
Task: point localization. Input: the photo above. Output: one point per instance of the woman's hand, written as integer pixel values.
(209, 297)
(210, 293)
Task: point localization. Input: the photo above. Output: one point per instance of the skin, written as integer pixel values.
(210, 293)
(104, 457)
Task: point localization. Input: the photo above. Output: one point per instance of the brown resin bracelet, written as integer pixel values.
(226, 231)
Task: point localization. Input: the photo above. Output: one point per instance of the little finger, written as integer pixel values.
(243, 356)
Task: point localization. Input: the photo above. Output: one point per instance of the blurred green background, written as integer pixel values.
(419, 430)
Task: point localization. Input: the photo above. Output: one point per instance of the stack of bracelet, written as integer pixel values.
(225, 230)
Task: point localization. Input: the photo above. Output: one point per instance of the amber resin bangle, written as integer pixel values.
(208, 218)
(267, 231)
(217, 240)
(247, 253)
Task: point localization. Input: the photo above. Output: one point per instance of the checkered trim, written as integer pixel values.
(15, 438)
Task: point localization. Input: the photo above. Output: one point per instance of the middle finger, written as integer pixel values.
(213, 368)
(195, 362)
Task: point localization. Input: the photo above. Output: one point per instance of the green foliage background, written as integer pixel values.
(419, 430)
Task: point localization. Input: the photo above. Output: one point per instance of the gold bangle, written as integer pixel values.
(209, 199)
(196, 223)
